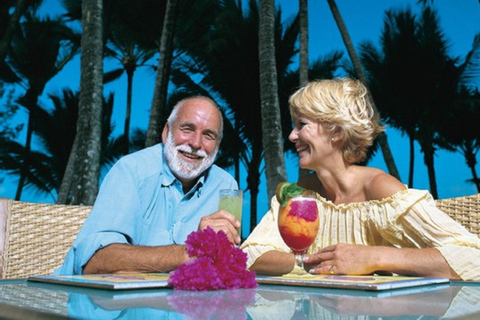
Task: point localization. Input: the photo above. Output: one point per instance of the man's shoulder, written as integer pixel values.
(144, 162)
(153, 152)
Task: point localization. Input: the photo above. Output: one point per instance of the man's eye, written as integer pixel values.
(186, 129)
(211, 136)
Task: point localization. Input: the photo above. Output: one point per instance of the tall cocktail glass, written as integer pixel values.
(298, 225)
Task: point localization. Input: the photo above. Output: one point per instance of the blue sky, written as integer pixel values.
(364, 19)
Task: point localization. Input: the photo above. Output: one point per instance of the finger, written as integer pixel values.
(220, 224)
(328, 249)
(329, 269)
(223, 214)
(318, 257)
(214, 220)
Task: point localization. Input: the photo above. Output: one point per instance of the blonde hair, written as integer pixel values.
(342, 106)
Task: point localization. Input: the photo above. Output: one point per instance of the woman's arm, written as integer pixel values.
(359, 259)
(274, 263)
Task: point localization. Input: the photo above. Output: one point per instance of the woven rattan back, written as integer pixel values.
(465, 210)
(38, 236)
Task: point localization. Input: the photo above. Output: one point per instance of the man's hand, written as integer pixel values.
(222, 220)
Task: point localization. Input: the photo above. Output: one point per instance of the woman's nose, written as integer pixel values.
(293, 136)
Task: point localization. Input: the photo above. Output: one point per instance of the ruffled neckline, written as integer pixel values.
(404, 196)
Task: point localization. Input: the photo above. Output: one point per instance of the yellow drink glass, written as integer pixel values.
(231, 200)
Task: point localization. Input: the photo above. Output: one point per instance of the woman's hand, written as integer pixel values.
(343, 259)
(361, 260)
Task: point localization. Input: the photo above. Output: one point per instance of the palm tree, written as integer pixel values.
(382, 137)
(303, 20)
(415, 50)
(55, 130)
(388, 69)
(163, 74)
(270, 106)
(465, 138)
(34, 70)
(131, 36)
(83, 169)
(122, 47)
(7, 31)
(460, 133)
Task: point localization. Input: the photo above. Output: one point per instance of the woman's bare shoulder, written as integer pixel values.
(380, 185)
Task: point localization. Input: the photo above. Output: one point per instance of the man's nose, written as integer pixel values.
(196, 140)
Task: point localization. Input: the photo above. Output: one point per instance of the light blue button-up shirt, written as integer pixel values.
(142, 203)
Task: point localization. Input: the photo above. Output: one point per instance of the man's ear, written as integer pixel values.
(165, 133)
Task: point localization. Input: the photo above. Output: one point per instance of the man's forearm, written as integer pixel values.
(128, 258)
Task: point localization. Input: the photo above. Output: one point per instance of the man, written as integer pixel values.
(152, 199)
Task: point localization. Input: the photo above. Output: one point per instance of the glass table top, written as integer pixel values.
(443, 301)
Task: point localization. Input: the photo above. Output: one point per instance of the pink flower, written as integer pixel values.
(218, 264)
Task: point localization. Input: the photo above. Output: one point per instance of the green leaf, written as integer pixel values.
(289, 190)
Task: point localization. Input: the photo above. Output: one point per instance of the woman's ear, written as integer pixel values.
(336, 133)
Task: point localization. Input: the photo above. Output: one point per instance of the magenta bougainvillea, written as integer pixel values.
(216, 264)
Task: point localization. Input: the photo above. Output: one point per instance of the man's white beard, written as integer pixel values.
(184, 169)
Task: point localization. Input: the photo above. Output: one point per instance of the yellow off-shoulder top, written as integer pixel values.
(407, 219)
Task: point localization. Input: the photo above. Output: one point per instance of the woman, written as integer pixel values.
(369, 221)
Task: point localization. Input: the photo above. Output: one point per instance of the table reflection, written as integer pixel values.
(434, 302)
(444, 301)
(164, 304)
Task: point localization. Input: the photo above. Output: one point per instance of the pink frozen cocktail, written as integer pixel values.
(298, 223)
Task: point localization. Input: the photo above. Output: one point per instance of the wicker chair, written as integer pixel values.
(35, 237)
(465, 210)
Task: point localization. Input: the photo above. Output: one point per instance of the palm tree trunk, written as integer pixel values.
(67, 178)
(303, 68)
(382, 137)
(270, 106)
(12, 25)
(428, 156)
(86, 175)
(253, 180)
(159, 100)
(303, 18)
(126, 128)
(23, 168)
(471, 163)
(412, 160)
(30, 102)
(253, 206)
(236, 161)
